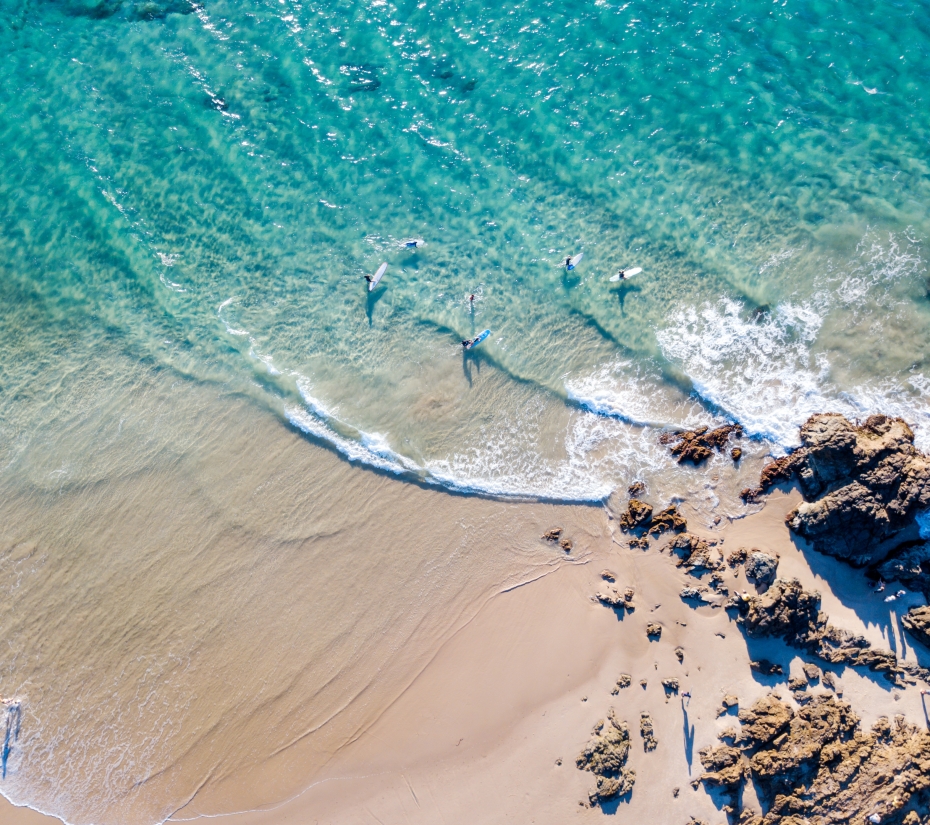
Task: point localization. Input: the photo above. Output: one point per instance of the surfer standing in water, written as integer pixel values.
(621, 275)
(466, 344)
(568, 263)
(369, 278)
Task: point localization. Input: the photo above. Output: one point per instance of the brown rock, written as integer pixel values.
(817, 765)
(862, 484)
(696, 445)
(638, 514)
(766, 668)
(724, 767)
(553, 534)
(647, 731)
(793, 614)
(917, 622)
(736, 453)
(653, 630)
(680, 653)
(636, 489)
(695, 554)
(667, 519)
(671, 687)
(737, 557)
(605, 756)
(566, 545)
(623, 682)
(729, 701)
(811, 671)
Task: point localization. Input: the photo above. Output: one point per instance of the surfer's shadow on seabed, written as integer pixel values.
(470, 359)
(371, 299)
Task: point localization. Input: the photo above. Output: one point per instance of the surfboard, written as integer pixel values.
(573, 262)
(378, 276)
(479, 339)
(627, 273)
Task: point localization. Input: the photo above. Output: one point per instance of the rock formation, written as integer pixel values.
(862, 484)
(817, 765)
(694, 554)
(638, 514)
(623, 682)
(605, 756)
(766, 668)
(667, 519)
(789, 612)
(611, 596)
(761, 568)
(653, 630)
(697, 445)
(917, 622)
(648, 732)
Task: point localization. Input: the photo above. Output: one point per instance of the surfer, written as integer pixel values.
(369, 278)
(621, 275)
(466, 344)
(568, 264)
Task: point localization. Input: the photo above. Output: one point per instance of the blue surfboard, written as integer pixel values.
(479, 339)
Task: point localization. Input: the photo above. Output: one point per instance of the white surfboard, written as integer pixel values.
(378, 276)
(627, 273)
(573, 262)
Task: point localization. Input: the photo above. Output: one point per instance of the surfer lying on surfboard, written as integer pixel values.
(475, 341)
(623, 274)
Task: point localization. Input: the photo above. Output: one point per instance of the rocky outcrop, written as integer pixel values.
(862, 483)
(654, 631)
(909, 563)
(695, 555)
(761, 568)
(667, 520)
(787, 611)
(606, 756)
(917, 622)
(698, 445)
(648, 731)
(611, 596)
(816, 764)
(766, 668)
(638, 514)
(623, 682)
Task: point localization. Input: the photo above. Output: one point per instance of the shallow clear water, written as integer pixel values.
(193, 195)
(206, 191)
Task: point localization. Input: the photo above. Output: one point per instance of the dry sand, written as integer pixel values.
(488, 731)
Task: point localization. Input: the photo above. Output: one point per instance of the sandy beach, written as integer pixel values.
(488, 729)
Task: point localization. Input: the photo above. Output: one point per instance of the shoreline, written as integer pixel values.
(520, 684)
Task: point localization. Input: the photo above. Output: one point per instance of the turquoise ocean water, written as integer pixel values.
(204, 187)
(191, 195)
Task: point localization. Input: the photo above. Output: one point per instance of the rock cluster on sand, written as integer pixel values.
(817, 765)
(640, 516)
(862, 484)
(605, 756)
(697, 445)
(611, 596)
(787, 611)
(623, 682)
(648, 732)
